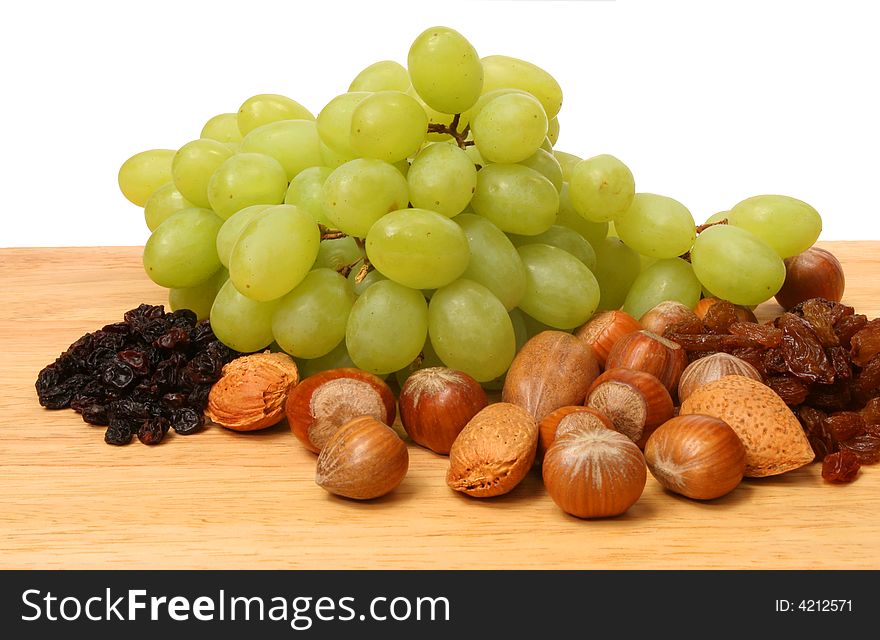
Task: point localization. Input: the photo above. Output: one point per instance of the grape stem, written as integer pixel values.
(366, 267)
(346, 269)
(701, 228)
(330, 234)
(451, 129)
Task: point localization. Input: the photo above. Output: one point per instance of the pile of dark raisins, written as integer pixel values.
(821, 358)
(140, 377)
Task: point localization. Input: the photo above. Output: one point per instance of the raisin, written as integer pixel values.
(135, 359)
(821, 317)
(204, 368)
(203, 335)
(174, 338)
(865, 446)
(840, 467)
(753, 355)
(117, 374)
(804, 355)
(187, 420)
(871, 411)
(867, 384)
(174, 400)
(774, 362)
(848, 326)
(845, 425)
(60, 394)
(95, 413)
(813, 422)
(118, 434)
(153, 430)
(831, 397)
(840, 362)
(705, 342)
(183, 318)
(719, 317)
(790, 389)
(198, 397)
(866, 343)
(690, 325)
(766, 336)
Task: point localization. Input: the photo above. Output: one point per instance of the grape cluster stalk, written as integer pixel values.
(427, 216)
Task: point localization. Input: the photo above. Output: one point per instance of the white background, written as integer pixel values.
(708, 102)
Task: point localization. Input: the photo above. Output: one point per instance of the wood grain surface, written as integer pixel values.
(225, 500)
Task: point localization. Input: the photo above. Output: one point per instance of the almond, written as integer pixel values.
(773, 438)
(493, 452)
(553, 369)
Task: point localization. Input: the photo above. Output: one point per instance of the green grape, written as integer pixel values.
(241, 323)
(510, 128)
(387, 327)
(199, 298)
(560, 290)
(427, 358)
(338, 358)
(388, 125)
(194, 164)
(474, 154)
(790, 226)
(505, 72)
(445, 70)
(306, 191)
(568, 161)
(669, 279)
(338, 253)
(222, 128)
(246, 179)
(470, 330)
(435, 118)
(418, 248)
(717, 217)
(562, 238)
(545, 164)
(602, 188)
(470, 114)
(334, 122)
(547, 145)
(360, 192)
(293, 143)
(368, 280)
(736, 265)
(164, 201)
(494, 262)
(332, 158)
(657, 226)
(232, 228)
(553, 130)
(593, 232)
(269, 107)
(520, 328)
(516, 198)
(274, 252)
(442, 178)
(143, 173)
(310, 320)
(385, 75)
(617, 267)
(647, 261)
(182, 251)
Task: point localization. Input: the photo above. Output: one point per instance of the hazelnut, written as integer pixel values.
(551, 423)
(553, 369)
(773, 438)
(698, 456)
(494, 451)
(713, 367)
(436, 403)
(591, 471)
(363, 459)
(815, 273)
(648, 352)
(252, 391)
(323, 402)
(666, 314)
(604, 329)
(634, 401)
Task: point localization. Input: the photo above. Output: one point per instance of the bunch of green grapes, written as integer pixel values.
(425, 216)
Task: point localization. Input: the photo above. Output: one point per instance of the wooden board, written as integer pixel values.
(226, 500)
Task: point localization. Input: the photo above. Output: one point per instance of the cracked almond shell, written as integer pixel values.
(493, 452)
(771, 434)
